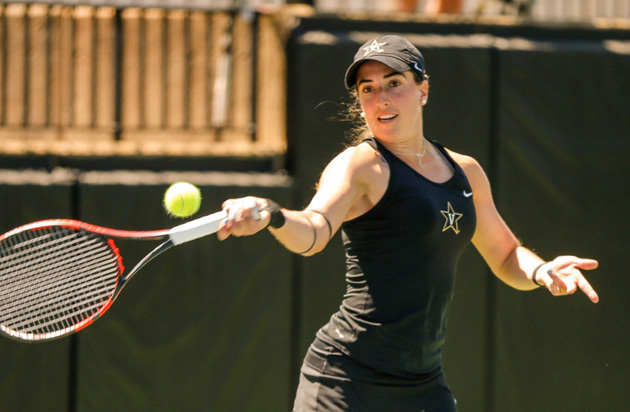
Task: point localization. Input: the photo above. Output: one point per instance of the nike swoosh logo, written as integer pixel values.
(468, 194)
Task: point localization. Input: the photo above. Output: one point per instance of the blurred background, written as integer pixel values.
(104, 104)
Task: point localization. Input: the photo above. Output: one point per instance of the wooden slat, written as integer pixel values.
(271, 75)
(54, 67)
(105, 68)
(131, 75)
(242, 84)
(2, 61)
(177, 70)
(153, 79)
(220, 40)
(199, 71)
(38, 96)
(15, 64)
(84, 84)
(66, 69)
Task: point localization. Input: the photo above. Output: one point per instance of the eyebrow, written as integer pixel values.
(393, 73)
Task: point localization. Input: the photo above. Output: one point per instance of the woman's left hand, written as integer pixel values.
(562, 276)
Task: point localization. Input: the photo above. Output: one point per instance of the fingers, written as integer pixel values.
(588, 290)
(568, 280)
(587, 264)
(558, 286)
(562, 262)
(243, 217)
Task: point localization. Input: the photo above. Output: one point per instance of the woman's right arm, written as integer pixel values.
(343, 189)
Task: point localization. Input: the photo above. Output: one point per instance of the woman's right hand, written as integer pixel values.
(244, 217)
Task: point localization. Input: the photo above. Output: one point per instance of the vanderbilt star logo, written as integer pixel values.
(374, 47)
(451, 219)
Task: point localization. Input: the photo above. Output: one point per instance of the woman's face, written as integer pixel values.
(392, 101)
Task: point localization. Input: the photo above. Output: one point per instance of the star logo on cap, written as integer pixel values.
(374, 47)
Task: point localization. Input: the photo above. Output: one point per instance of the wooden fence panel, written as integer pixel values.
(181, 82)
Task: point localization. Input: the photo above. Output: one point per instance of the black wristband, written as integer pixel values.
(535, 273)
(277, 217)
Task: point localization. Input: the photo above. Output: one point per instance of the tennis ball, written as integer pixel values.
(182, 199)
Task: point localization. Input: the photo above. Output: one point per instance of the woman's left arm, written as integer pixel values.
(511, 262)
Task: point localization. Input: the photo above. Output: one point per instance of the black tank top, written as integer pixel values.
(401, 258)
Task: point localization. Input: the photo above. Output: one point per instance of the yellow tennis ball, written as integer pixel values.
(182, 199)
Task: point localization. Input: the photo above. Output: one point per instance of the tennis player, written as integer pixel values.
(407, 208)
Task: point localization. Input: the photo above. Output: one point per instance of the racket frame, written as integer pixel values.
(175, 236)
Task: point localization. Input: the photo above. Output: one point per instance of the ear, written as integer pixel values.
(424, 92)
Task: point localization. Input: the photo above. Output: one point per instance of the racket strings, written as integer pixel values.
(28, 301)
(51, 309)
(38, 261)
(53, 279)
(46, 269)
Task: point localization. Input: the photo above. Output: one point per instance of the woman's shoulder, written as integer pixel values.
(361, 155)
(466, 162)
(361, 163)
(472, 168)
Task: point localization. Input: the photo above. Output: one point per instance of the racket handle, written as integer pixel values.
(197, 228)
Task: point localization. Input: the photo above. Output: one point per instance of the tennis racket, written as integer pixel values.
(58, 276)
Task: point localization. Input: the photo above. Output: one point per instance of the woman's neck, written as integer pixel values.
(418, 149)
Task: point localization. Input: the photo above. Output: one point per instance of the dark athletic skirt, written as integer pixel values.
(333, 382)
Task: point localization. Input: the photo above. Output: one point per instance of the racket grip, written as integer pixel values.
(197, 228)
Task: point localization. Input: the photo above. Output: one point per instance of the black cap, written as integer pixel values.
(393, 51)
